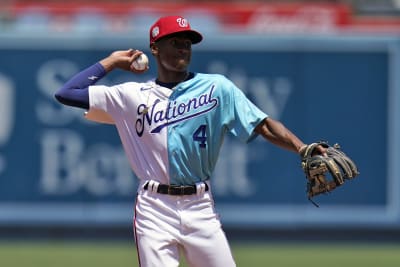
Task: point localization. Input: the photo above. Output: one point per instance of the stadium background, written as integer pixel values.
(65, 179)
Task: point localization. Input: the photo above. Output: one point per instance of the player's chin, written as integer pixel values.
(182, 65)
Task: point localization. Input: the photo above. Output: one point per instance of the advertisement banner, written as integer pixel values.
(57, 167)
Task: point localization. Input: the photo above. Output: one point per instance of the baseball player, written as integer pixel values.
(172, 129)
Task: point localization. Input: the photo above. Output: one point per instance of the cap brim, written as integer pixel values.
(194, 36)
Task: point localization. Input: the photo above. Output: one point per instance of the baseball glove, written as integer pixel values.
(325, 173)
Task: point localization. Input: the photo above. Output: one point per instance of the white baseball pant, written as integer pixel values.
(165, 225)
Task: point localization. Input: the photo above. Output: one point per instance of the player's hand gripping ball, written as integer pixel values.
(141, 63)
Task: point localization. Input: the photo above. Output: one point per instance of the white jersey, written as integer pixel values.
(174, 135)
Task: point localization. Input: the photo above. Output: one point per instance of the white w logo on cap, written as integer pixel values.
(182, 22)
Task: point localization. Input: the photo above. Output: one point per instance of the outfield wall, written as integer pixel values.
(57, 168)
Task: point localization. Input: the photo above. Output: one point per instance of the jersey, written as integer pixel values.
(174, 136)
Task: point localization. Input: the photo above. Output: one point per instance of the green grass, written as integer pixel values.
(325, 255)
(57, 254)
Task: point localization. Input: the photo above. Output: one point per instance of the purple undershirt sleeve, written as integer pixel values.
(75, 92)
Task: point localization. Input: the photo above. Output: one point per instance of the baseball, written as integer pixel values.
(141, 63)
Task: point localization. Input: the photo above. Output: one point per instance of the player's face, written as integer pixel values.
(174, 52)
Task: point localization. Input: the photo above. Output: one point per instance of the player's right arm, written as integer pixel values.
(121, 60)
(75, 92)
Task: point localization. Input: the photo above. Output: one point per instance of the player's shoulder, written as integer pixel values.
(215, 77)
(221, 82)
(135, 85)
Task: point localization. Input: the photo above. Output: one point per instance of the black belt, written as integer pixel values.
(176, 190)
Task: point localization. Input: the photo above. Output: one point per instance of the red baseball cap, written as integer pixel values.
(173, 24)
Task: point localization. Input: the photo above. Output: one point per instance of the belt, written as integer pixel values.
(176, 190)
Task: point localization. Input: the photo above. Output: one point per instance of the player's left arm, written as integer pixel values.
(275, 132)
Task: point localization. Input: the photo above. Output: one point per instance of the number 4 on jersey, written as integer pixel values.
(200, 135)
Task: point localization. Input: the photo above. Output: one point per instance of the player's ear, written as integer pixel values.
(154, 49)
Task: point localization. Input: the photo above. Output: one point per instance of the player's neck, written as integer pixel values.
(172, 82)
(172, 76)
